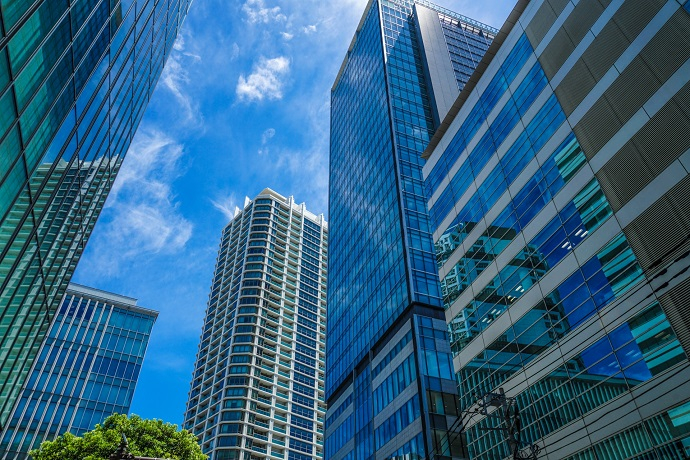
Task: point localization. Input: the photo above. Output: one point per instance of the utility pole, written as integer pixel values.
(508, 412)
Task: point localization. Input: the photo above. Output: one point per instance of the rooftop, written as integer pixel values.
(426, 3)
(119, 300)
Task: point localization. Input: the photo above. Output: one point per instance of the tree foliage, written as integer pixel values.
(147, 438)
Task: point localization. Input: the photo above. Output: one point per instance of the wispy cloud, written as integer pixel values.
(175, 78)
(309, 29)
(266, 80)
(258, 12)
(226, 206)
(308, 173)
(265, 137)
(235, 53)
(143, 213)
(306, 169)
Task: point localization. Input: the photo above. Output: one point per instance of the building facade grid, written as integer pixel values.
(555, 286)
(383, 275)
(75, 78)
(86, 370)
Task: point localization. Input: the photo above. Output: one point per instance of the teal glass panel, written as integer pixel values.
(9, 152)
(4, 70)
(667, 432)
(619, 265)
(13, 181)
(37, 69)
(7, 112)
(60, 146)
(13, 10)
(624, 358)
(48, 127)
(25, 42)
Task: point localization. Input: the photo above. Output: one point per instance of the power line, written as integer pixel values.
(508, 416)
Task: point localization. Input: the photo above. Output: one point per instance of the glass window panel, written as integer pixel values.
(28, 37)
(13, 10)
(7, 113)
(4, 70)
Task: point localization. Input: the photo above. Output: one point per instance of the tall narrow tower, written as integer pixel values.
(75, 79)
(257, 388)
(388, 355)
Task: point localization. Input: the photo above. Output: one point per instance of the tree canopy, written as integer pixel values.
(147, 438)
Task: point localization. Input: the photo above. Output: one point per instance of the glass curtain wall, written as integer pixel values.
(75, 79)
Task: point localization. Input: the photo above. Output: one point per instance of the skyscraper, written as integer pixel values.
(257, 388)
(388, 357)
(87, 369)
(559, 199)
(75, 78)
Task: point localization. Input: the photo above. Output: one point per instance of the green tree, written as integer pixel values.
(147, 438)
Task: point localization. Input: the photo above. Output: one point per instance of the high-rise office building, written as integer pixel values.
(75, 79)
(388, 357)
(87, 369)
(257, 390)
(559, 199)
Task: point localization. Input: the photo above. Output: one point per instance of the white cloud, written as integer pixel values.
(257, 12)
(265, 137)
(265, 81)
(175, 78)
(179, 43)
(287, 36)
(310, 29)
(235, 53)
(226, 206)
(143, 214)
(268, 134)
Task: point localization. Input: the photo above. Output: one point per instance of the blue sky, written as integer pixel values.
(243, 104)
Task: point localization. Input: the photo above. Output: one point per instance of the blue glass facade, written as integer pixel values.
(557, 285)
(257, 388)
(75, 79)
(467, 42)
(86, 370)
(382, 274)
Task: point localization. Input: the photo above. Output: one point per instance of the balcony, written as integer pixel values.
(262, 424)
(263, 437)
(258, 448)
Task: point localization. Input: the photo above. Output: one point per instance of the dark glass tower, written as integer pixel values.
(75, 78)
(86, 370)
(388, 357)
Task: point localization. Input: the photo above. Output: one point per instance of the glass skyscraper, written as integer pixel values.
(388, 358)
(75, 79)
(257, 390)
(559, 200)
(87, 369)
